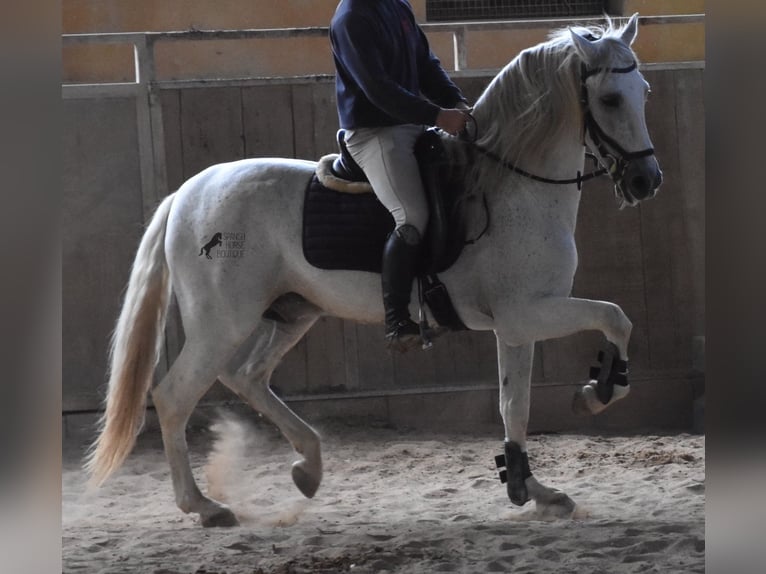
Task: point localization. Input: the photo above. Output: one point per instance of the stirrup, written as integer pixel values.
(403, 336)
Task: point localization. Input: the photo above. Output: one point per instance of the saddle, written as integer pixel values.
(345, 226)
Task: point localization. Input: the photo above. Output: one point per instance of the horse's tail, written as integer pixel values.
(134, 352)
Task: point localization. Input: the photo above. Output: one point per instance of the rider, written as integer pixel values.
(384, 68)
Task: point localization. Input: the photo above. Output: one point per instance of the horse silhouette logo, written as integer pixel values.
(216, 240)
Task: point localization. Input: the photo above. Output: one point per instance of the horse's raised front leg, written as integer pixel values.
(553, 317)
(249, 372)
(515, 370)
(175, 397)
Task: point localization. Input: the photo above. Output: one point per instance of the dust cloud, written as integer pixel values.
(257, 495)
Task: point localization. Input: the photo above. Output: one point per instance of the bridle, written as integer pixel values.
(609, 149)
(622, 158)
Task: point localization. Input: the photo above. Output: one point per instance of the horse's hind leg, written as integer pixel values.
(248, 375)
(515, 369)
(175, 397)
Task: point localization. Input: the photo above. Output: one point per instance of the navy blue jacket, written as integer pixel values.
(384, 67)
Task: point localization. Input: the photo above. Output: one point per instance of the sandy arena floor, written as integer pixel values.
(395, 501)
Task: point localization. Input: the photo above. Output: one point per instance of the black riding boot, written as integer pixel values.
(400, 259)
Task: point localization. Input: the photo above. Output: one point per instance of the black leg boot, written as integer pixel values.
(400, 260)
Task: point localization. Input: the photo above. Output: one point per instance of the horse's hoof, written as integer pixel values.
(519, 497)
(223, 518)
(306, 483)
(517, 492)
(580, 404)
(557, 506)
(586, 402)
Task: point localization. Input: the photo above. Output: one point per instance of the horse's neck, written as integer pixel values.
(558, 160)
(561, 160)
(552, 205)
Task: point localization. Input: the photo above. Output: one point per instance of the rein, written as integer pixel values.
(619, 160)
(511, 167)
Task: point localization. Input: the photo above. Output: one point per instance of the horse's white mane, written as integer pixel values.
(535, 98)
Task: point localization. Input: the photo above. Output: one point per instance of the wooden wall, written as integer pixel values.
(102, 225)
(650, 260)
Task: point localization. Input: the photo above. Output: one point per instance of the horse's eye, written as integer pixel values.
(611, 100)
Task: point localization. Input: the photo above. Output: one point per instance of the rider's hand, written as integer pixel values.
(451, 121)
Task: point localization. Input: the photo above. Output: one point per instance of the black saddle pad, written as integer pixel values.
(344, 230)
(348, 231)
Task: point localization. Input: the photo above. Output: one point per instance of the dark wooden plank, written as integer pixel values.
(268, 121)
(473, 357)
(458, 410)
(325, 119)
(568, 359)
(102, 221)
(170, 100)
(211, 127)
(376, 367)
(325, 370)
(690, 132)
(355, 411)
(449, 353)
(662, 226)
(290, 376)
(351, 354)
(550, 410)
(303, 122)
(416, 368)
(472, 88)
(538, 374)
(663, 402)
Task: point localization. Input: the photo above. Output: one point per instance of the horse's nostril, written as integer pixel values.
(639, 185)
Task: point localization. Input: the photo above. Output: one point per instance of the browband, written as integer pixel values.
(587, 73)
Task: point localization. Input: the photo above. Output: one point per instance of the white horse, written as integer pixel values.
(242, 313)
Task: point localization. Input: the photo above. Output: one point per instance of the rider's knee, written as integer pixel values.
(415, 218)
(409, 233)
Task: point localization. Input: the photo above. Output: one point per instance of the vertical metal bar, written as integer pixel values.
(460, 49)
(150, 115)
(158, 127)
(144, 126)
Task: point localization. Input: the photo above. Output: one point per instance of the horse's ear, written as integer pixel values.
(630, 31)
(584, 47)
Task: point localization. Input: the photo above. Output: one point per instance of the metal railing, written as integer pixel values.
(144, 42)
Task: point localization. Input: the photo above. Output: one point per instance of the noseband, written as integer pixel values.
(607, 146)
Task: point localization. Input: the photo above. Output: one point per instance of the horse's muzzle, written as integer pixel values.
(642, 179)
